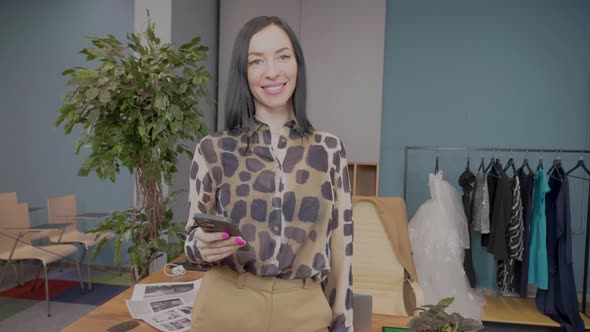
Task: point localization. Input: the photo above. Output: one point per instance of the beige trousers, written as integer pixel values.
(229, 301)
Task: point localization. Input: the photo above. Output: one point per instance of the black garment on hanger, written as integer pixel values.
(492, 181)
(501, 212)
(467, 182)
(560, 300)
(527, 182)
(507, 272)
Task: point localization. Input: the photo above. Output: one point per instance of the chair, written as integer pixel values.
(16, 246)
(8, 199)
(64, 209)
(382, 261)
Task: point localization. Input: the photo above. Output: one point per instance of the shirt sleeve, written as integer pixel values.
(338, 283)
(201, 200)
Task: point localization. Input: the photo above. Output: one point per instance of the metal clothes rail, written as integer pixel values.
(526, 150)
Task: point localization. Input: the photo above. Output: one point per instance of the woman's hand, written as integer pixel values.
(216, 246)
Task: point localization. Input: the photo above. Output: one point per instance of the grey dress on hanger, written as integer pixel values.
(481, 204)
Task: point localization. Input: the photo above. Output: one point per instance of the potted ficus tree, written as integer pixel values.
(434, 318)
(136, 110)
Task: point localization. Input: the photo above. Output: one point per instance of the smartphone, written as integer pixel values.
(188, 265)
(211, 224)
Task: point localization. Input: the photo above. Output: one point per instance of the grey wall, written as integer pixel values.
(485, 73)
(40, 39)
(343, 46)
(192, 18)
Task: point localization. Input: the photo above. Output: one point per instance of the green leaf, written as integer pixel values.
(161, 244)
(91, 93)
(98, 248)
(159, 102)
(142, 132)
(117, 247)
(136, 39)
(446, 301)
(64, 111)
(107, 67)
(104, 96)
(176, 112)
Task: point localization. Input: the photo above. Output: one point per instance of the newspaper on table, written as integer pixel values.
(165, 306)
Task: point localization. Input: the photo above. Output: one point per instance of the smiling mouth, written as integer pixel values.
(274, 88)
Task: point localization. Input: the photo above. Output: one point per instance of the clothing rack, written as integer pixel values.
(526, 150)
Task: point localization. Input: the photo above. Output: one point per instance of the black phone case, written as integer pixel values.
(212, 224)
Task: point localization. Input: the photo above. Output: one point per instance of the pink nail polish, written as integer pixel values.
(238, 241)
(225, 236)
(242, 243)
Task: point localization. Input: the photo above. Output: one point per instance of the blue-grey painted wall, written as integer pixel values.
(192, 18)
(40, 39)
(484, 73)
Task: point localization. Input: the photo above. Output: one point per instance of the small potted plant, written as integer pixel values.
(434, 318)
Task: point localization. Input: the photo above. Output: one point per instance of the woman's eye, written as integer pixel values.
(255, 62)
(285, 57)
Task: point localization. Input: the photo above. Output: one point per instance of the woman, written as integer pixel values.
(286, 185)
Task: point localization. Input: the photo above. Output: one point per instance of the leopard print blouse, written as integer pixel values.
(292, 204)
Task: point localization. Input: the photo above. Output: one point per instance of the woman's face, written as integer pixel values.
(272, 68)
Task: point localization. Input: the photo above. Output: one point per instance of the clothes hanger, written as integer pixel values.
(492, 162)
(436, 165)
(579, 164)
(482, 165)
(556, 168)
(493, 169)
(540, 165)
(525, 163)
(498, 167)
(510, 164)
(556, 162)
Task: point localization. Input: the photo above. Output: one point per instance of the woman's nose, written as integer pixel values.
(271, 70)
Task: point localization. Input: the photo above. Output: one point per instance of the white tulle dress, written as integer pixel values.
(439, 235)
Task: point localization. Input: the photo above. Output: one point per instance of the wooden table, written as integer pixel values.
(115, 311)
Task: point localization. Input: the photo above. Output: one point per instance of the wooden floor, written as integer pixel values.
(515, 310)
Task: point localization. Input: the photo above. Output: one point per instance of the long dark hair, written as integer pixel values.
(239, 102)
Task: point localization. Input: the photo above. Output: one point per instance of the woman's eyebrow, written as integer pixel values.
(261, 53)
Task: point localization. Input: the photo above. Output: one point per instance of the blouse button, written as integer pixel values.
(276, 228)
(283, 140)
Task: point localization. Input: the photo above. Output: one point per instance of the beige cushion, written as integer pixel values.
(376, 269)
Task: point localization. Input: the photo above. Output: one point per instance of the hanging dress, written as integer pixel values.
(560, 300)
(507, 270)
(467, 182)
(481, 204)
(526, 194)
(439, 235)
(538, 270)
